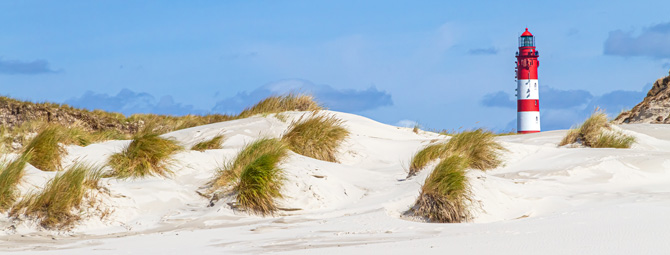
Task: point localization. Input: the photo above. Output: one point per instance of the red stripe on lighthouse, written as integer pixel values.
(527, 74)
(528, 105)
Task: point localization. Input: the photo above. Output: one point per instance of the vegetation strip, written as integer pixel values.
(84, 127)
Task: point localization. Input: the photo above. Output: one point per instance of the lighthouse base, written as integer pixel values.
(527, 132)
(528, 122)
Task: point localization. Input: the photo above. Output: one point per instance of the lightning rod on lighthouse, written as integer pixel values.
(527, 91)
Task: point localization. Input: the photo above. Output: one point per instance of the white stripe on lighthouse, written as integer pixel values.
(527, 89)
(528, 121)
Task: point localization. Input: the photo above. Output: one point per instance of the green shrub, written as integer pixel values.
(317, 137)
(55, 206)
(146, 155)
(445, 195)
(10, 176)
(214, 143)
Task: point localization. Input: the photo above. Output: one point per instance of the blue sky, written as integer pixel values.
(443, 64)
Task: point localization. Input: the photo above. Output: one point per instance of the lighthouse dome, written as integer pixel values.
(526, 39)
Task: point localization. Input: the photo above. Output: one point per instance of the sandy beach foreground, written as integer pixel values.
(544, 199)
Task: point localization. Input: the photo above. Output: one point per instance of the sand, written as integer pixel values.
(544, 199)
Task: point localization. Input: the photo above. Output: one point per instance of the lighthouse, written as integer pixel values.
(527, 91)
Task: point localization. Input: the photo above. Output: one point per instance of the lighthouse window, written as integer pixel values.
(526, 41)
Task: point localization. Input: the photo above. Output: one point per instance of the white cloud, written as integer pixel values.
(652, 42)
(129, 102)
(25, 67)
(346, 100)
(407, 123)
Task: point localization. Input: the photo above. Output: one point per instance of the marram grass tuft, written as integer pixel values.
(596, 132)
(477, 146)
(46, 150)
(445, 194)
(260, 184)
(276, 104)
(146, 155)
(231, 171)
(214, 143)
(55, 207)
(10, 176)
(425, 156)
(317, 136)
(254, 177)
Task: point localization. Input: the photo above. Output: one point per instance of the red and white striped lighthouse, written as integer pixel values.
(527, 91)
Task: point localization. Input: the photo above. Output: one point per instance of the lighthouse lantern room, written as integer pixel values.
(527, 91)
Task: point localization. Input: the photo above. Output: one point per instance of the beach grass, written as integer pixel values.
(46, 151)
(317, 136)
(446, 193)
(10, 176)
(231, 171)
(254, 177)
(477, 146)
(260, 184)
(55, 206)
(147, 155)
(282, 103)
(596, 132)
(424, 156)
(214, 143)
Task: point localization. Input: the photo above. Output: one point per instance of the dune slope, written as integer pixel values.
(543, 199)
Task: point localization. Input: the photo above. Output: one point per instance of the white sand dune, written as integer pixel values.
(543, 200)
